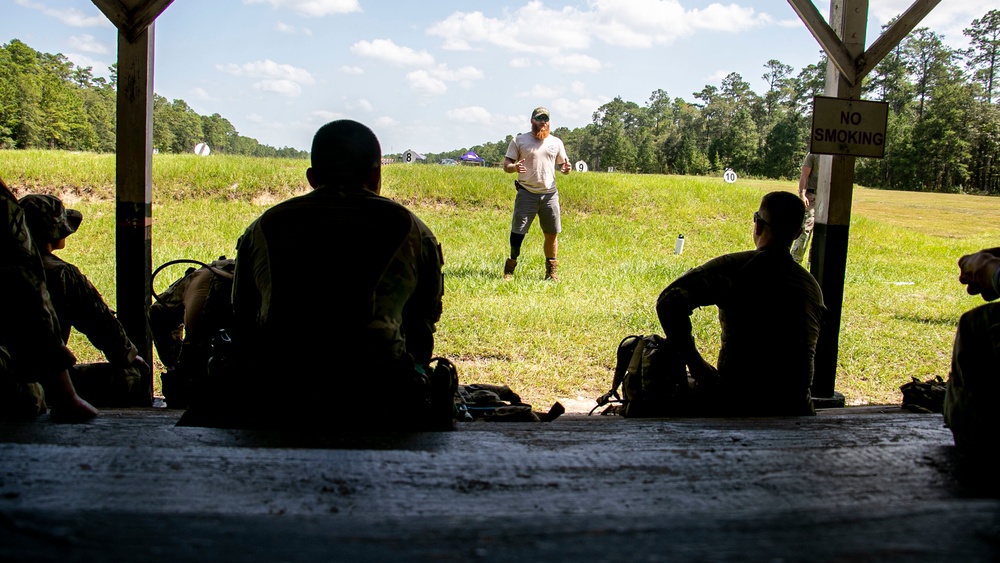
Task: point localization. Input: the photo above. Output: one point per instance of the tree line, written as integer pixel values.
(942, 135)
(47, 102)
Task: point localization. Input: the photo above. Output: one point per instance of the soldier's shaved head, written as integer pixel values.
(344, 152)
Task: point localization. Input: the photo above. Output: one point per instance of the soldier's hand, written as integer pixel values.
(141, 364)
(977, 270)
(565, 167)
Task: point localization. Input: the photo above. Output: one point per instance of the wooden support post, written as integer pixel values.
(134, 188)
(835, 189)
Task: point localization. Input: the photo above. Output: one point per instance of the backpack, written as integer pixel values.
(185, 354)
(649, 385)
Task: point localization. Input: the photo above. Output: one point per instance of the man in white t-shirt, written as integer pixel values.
(534, 156)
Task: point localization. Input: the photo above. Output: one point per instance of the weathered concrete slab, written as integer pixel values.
(858, 484)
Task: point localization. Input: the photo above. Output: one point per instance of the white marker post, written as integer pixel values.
(202, 149)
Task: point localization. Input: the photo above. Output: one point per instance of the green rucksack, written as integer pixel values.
(643, 372)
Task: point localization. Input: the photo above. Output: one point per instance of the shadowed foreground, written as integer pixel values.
(850, 484)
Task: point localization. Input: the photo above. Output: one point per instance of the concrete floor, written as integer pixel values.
(856, 484)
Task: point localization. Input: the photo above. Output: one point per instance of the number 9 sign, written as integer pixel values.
(580, 166)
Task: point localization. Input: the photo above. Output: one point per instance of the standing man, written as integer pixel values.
(807, 193)
(534, 156)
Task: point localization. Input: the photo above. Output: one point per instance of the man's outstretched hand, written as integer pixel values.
(977, 271)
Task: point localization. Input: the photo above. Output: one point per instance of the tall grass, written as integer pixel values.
(555, 340)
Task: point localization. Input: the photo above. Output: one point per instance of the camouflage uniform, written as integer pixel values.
(31, 348)
(79, 305)
(332, 289)
(809, 222)
(770, 312)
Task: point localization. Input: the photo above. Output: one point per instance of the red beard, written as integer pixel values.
(540, 131)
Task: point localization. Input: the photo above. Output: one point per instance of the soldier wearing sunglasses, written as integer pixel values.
(770, 309)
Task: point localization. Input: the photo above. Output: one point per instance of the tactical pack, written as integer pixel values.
(185, 320)
(650, 385)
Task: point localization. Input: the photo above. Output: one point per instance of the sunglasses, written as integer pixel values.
(758, 219)
(542, 118)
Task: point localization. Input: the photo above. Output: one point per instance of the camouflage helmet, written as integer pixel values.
(48, 219)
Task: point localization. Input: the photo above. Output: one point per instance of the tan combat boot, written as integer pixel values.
(551, 269)
(508, 268)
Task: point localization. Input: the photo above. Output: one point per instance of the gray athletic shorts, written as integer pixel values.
(527, 205)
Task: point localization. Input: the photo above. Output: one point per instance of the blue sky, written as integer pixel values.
(440, 74)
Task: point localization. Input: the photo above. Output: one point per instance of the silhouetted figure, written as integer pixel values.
(970, 405)
(336, 294)
(79, 305)
(33, 356)
(770, 312)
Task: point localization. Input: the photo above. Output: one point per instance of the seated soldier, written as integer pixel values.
(970, 396)
(79, 305)
(770, 310)
(336, 295)
(33, 356)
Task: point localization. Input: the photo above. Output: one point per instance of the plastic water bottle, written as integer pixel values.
(679, 245)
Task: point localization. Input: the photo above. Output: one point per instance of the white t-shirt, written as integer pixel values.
(540, 158)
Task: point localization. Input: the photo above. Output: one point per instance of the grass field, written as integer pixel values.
(556, 340)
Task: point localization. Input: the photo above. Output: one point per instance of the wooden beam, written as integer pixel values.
(145, 15)
(134, 187)
(132, 20)
(114, 11)
(836, 51)
(892, 36)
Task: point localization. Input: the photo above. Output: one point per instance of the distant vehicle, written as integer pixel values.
(449, 162)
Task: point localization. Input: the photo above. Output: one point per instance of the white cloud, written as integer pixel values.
(386, 50)
(947, 18)
(473, 114)
(268, 69)
(540, 92)
(422, 82)
(632, 24)
(277, 78)
(385, 121)
(68, 16)
(463, 74)
(88, 44)
(202, 94)
(564, 109)
(283, 87)
(718, 75)
(520, 62)
(284, 27)
(328, 115)
(360, 105)
(312, 8)
(578, 88)
(352, 70)
(99, 68)
(574, 63)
